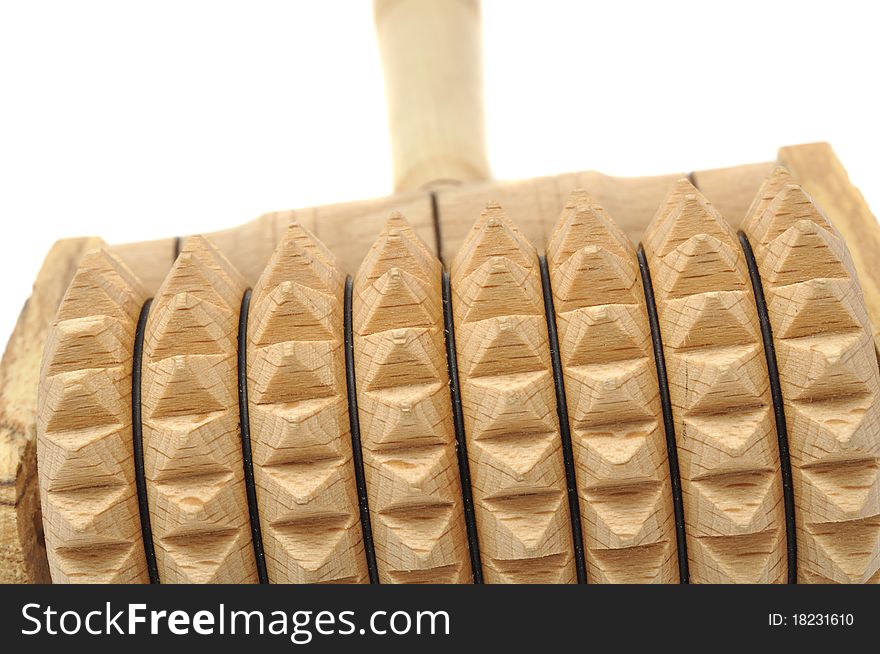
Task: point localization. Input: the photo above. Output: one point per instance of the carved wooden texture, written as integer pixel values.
(407, 434)
(300, 434)
(87, 481)
(22, 543)
(725, 429)
(513, 440)
(20, 532)
(818, 170)
(830, 383)
(191, 431)
(613, 399)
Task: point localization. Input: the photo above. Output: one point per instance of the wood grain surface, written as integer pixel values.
(830, 382)
(443, 219)
(718, 384)
(613, 399)
(84, 436)
(191, 432)
(299, 418)
(22, 542)
(509, 405)
(407, 434)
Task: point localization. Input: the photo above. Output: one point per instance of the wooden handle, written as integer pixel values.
(433, 79)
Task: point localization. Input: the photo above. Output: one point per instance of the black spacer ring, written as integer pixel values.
(564, 424)
(778, 407)
(246, 452)
(668, 422)
(464, 468)
(354, 422)
(137, 436)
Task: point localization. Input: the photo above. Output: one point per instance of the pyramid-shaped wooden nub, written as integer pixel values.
(493, 235)
(498, 288)
(294, 372)
(701, 264)
(314, 246)
(203, 271)
(84, 440)
(603, 334)
(770, 188)
(788, 207)
(303, 259)
(751, 558)
(595, 276)
(693, 250)
(834, 305)
(504, 346)
(396, 300)
(715, 370)
(613, 400)
(407, 433)
(804, 252)
(293, 309)
(830, 384)
(191, 431)
(300, 434)
(400, 358)
(102, 286)
(716, 318)
(581, 223)
(398, 247)
(509, 406)
(185, 324)
(683, 214)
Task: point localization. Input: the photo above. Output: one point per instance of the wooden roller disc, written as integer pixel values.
(513, 438)
(618, 440)
(720, 394)
(299, 429)
(405, 413)
(87, 474)
(828, 371)
(600, 415)
(192, 445)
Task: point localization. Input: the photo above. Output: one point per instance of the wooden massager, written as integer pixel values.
(566, 379)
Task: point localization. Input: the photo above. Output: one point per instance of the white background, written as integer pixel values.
(142, 120)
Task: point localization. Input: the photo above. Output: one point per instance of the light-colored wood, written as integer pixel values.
(348, 229)
(22, 546)
(719, 388)
(818, 170)
(407, 435)
(84, 440)
(149, 261)
(509, 406)
(191, 432)
(431, 56)
(730, 190)
(830, 383)
(610, 375)
(247, 246)
(534, 204)
(303, 471)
